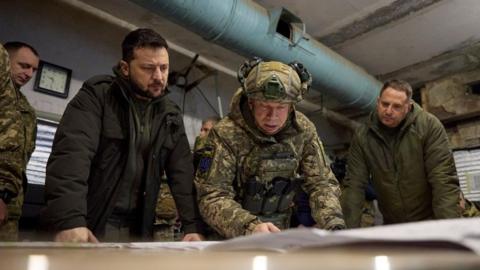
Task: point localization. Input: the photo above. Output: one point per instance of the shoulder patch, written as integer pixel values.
(206, 160)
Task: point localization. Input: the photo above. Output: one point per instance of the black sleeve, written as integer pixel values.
(68, 167)
(179, 170)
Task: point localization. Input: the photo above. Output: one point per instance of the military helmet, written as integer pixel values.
(274, 81)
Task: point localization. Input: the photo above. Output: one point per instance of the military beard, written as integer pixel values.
(137, 90)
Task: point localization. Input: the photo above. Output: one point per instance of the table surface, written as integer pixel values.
(375, 258)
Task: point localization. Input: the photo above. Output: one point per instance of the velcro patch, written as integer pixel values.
(205, 161)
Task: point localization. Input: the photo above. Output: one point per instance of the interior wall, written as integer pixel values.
(90, 46)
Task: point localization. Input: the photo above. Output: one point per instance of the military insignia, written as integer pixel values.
(205, 161)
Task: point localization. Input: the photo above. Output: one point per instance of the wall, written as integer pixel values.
(452, 100)
(90, 46)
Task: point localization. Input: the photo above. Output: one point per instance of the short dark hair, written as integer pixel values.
(399, 85)
(141, 38)
(14, 46)
(213, 119)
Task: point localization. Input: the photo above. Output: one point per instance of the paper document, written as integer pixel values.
(450, 233)
(171, 245)
(454, 233)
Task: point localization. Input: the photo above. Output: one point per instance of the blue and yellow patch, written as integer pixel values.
(204, 164)
(205, 161)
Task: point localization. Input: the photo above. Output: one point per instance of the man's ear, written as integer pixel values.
(124, 68)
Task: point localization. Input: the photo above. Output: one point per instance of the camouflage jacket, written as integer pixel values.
(17, 130)
(230, 142)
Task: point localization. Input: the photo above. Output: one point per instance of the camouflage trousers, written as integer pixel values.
(9, 230)
(368, 214)
(166, 227)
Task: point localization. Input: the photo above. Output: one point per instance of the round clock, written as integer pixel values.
(53, 79)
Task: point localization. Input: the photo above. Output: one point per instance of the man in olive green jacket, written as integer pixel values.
(406, 151)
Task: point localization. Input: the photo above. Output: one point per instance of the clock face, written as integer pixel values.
(52, 78)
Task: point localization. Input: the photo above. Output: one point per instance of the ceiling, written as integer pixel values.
(391, 38)
(416, 40)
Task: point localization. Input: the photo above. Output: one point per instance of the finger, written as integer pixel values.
(92, 238)
(273, 228)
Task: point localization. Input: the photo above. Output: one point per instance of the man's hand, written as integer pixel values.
(191, 237)
(3, 213)
(267, 227)
(76, 235)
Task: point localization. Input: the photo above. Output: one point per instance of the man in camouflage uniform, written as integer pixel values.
(469, 208)
(262, 153)
(165, 214)
(18, 62)
(166, 220)
(207, 125)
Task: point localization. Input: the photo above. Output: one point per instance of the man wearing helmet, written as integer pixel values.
(262, 153)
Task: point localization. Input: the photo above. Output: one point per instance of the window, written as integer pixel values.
(43, 147)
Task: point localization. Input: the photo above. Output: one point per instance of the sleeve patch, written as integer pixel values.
(207, 154)
(204, 164)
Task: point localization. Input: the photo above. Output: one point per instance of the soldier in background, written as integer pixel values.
(167, 226)
(262, 153)
(469, 208)
(207, 125)
(18, 62)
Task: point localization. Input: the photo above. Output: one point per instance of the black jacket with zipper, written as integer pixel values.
(92, 154)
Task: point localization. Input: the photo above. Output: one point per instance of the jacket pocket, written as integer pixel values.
(111, 128)
(112, 141)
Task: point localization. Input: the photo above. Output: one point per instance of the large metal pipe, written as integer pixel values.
(250, 30)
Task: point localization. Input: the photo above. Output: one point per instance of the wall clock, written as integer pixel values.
(53, 79)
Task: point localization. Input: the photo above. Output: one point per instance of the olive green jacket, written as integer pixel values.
(414, 176)
(225, 166)
(18, 128)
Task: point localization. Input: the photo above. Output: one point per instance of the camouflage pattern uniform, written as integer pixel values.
(471, 210)
(17, 142)
(199, 143)
(368, 214)
(166, 224)
(237, 151)
(166, 214)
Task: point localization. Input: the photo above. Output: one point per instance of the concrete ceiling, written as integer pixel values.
(417, 40)
(394, 38)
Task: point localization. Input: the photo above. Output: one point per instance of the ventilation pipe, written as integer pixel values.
(249, 29)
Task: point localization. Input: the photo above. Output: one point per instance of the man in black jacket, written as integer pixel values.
(116, 138)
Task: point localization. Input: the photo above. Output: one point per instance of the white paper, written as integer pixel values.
(464, 232)
(171, 245)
